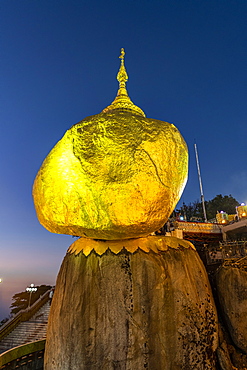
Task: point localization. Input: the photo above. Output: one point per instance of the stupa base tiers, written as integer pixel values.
(132, 311)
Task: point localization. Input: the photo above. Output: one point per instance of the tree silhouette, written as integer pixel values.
(193, 211)
(21, 300)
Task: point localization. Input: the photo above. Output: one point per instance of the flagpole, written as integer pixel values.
(200, 183)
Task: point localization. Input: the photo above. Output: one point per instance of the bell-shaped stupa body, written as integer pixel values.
(114, 175)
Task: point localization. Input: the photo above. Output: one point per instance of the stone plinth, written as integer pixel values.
(132, 309)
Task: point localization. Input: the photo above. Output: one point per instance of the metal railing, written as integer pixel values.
(234, 250)
(228, 250)
(23, 315)
(200, 227)
(28, 356)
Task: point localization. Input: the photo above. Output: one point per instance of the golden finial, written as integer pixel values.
(122, 55)
(122, 101)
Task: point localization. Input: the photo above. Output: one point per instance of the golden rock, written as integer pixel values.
(114, 175)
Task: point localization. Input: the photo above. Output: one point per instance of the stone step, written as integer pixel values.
(28, 331)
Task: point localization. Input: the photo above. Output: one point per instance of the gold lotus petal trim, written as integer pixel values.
(182, 243)
(87, 250)
(73, 248)
(172, 244)
(144, 247)
(154, 248)
(162, 246)
(102, 248)
(116, 248)
(155, 244)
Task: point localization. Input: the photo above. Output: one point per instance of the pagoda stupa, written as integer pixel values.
(114, 175)
(124, 299)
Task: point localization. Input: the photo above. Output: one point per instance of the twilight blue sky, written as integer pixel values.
(187, 64)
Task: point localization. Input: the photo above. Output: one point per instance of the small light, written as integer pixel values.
(242, 204)
(244, 214)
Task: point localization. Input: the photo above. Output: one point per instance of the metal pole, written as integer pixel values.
(30, 289)
(200, 183)
(29, 298)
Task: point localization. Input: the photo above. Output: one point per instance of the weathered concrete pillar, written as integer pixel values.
(135, 304)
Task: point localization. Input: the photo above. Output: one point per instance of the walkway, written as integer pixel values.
(27, 331)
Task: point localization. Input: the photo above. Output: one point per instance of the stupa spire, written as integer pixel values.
(122, 76)
(122, 101)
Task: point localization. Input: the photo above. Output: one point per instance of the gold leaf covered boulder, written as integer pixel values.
(114, 175)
